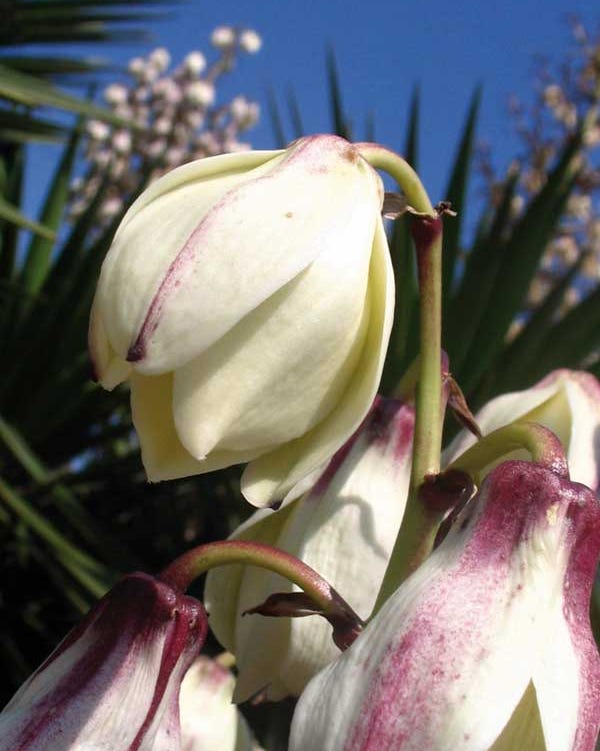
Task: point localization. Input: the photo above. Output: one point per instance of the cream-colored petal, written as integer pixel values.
(284, 367)
(109, 369)
(567, 402)
(583, 453)
(256, 237)
(346, 529)
(209, 721)
(448, 658)
(199, 171)
(502, 410)
(273, 475)
(222, 588)
(149, 240)
(259, 643)
(557, 684)
(163, 455)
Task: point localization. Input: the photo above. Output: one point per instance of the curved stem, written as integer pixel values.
(426, 229)
(543, 445)
(192, 564)
(419, 526)
(381, 158)
(322, 598)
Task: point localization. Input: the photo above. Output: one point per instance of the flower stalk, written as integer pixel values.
(417, 533)
(322, 597)
(544, 446)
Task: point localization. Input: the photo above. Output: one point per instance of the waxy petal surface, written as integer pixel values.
(345, 528)
(450, 656)
(276, 474)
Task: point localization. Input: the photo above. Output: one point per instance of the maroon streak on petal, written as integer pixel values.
(517, 500)
(178, 640)
(136, 612)
(387, 420)
(584, 514)
(309, 151)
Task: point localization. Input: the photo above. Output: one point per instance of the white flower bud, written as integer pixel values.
(273, 264)
(250, 41)
(98, 130)
(194, 63)
(200, 92)
(160, 59)
(223, 37)
(115, 94)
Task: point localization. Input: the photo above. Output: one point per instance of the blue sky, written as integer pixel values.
(383, 49)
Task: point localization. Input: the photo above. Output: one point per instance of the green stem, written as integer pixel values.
(419, 526)
(426, 229)
(381, 158)
(543, 445)
(189, 566)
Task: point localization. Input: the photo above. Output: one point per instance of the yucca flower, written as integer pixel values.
(487, 645)
(247, 299)
(113, 682)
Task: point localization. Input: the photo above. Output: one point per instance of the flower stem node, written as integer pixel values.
(446, 491)
(247, 299)
(113, 682)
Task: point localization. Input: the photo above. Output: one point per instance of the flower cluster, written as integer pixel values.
(175, 118)
(247, 299)
(566, 100)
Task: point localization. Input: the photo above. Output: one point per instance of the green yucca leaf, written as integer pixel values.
(370, 127)
(480, 274)
(91, 574)
(519, 259)
(340, 124)
(456, 192)
(37, 258)
(521, 357)
(275, 118)
(21, 127)
(35, 92)
(298, 129)
(573, 338)
(64, 499)
(53, 67)
(11, 188)
(11, 213)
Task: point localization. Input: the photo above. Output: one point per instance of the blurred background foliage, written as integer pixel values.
(521, 289)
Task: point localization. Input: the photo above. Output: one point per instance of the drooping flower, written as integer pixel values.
(113, 683)
(209, 720)
(567, 402)
(487, 645)
(345, 528)
(248, 300)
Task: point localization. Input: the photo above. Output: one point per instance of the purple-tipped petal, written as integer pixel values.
(113, 683)
(450, 656)
(345, 528)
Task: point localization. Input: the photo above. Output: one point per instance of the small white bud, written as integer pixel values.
(160, 59)
(136, 67)
(121, 141)
(194, 63)
(98, 130)
(200, 92)
(223, 37)
(250, 41)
